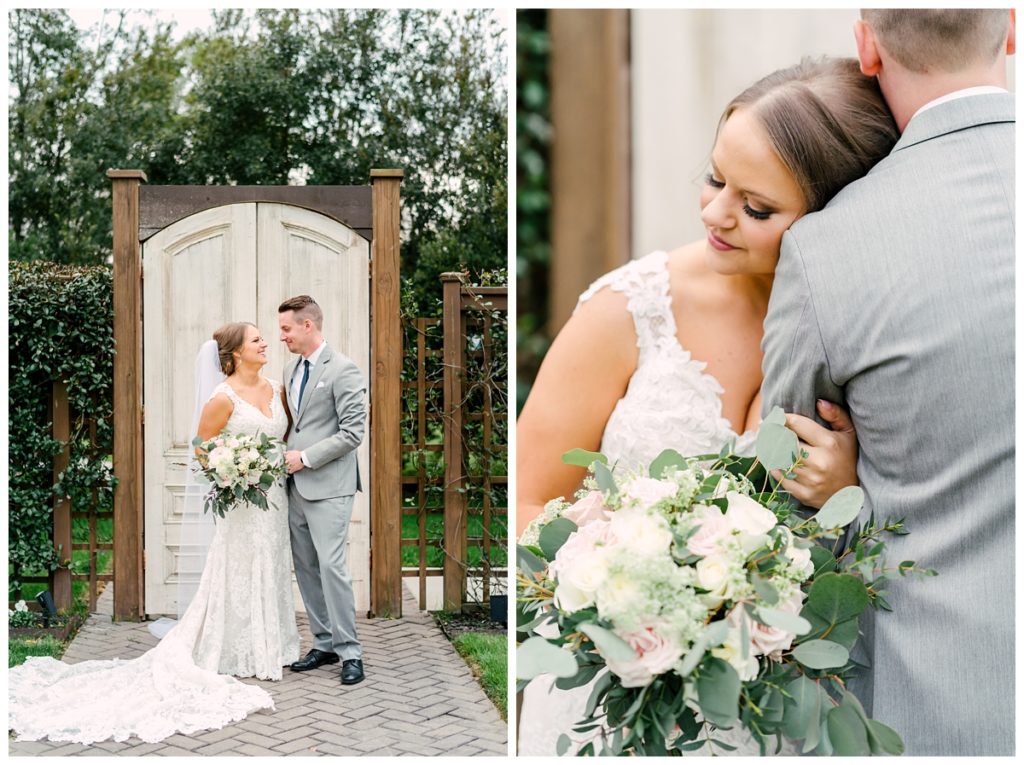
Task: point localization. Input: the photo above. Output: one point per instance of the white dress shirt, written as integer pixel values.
(296, 382)
(977, 90)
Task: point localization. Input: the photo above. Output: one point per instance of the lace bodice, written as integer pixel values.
(248, 419)
(670, 402)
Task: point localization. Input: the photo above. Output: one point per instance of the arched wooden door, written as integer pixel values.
(237, 263)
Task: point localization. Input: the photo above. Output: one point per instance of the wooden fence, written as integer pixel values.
(59, 582)
(455, 444)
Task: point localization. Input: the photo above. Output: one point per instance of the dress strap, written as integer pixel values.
(645, 283)
(227, 390)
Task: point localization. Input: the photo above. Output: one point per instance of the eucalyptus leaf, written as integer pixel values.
(718, 691)
(801, 710)
(610, 645)
(553, 536)
(713, 635)
(562, 745)
(776, 446)
(528, 562)
(582, 677)
(887, 738)
(669, 458)
(823, 559)
(844, 633)
(583, 458)
(821, 654)
(605, 479)
(602, 684)
(837, 597)
(777, 416)
(536, 656)
(784, 620)
(765, 589)
(842, 508)
(847, 733)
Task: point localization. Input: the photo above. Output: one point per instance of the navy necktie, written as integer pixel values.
(305, 379)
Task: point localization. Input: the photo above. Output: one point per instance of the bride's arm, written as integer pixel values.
(584, 374)
(214, 417)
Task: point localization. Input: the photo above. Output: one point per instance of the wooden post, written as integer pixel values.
(60, 580)
(455, 520)
(590, 154)
(128, 507)
(386, 400)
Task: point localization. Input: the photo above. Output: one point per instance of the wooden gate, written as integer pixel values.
(230, 263)
(215, 254)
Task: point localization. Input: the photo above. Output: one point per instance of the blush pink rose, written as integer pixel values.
(713, 528)
(655, 655)
(590, 508)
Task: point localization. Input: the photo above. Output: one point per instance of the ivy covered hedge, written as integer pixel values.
(61, 328)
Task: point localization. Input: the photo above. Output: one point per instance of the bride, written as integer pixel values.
(241, 621)
(664, 352)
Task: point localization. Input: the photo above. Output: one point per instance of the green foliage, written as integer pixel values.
(265, 97)
(61, 328)
(533, 197)
(19, 649)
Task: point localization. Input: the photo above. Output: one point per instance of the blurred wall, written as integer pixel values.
(686, 66)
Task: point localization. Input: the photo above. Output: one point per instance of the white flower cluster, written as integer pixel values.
(236, 460)
(659, 568)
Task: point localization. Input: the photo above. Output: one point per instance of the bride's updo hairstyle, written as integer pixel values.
(827, 122)
(229, 339)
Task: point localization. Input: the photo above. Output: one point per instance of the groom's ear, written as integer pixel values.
(867, 48)
(1011, 38)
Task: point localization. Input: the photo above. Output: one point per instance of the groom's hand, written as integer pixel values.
(293, 461)
(831, 462)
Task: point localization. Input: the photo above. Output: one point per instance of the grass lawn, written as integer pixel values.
(487, 655)
(19, 649)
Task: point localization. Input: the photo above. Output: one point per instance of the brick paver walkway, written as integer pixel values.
(419, 698)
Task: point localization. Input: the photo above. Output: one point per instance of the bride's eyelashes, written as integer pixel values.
(714, 183)
(756, 214)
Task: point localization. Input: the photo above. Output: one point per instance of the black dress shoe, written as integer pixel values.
(352, 671)
(314, 659)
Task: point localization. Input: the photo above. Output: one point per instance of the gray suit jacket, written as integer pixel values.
(897, 301)
(328, 426)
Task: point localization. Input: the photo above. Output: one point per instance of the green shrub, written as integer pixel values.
(60, 321)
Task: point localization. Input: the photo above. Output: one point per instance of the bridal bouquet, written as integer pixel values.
(709, 599)
(240, 468)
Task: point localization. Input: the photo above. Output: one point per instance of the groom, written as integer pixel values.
(898, 299)
(325, 392)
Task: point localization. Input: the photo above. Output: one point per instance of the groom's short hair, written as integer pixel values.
(944, 39)
(305, 308)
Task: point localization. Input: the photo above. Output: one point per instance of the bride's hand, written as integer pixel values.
(831, 463)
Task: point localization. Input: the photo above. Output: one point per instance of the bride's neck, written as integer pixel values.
(757, 288)
(247, 376)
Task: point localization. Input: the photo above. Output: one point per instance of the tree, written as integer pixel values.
(265, 97)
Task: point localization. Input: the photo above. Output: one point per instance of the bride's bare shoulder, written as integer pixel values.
(603, 317)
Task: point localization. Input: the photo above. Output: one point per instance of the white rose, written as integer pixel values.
(590, 508)
(646, 492)
(801, 558)
(586, 572)
(655, 654)
(21, 605)
(713, 575)
(618, 593)
(571, 599)
(752, 520)
(580, 542)
(642, 533)
(713, 529)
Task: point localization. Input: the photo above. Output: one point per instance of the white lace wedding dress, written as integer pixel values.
(670, 403)
(241, 622)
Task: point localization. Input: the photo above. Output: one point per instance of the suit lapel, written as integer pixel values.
(289, 374)
(314, 377)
